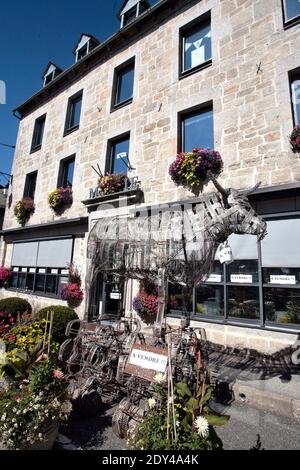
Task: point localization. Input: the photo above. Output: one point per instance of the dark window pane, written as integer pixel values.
(130, 16)
(30, 185)
(82, 52)
(296, 99)
(68, 173)
(73, 113)
(62, 282)
(49, 78)
(51, 283)
(38, 133)
(282, 305)
(210, 300)
(243, 271)
(22, 280)
(125, 84)
(30, 281)
(292, 9)
(176, 301)
(113, 289)
(40, 283)
(197, 46)
(119, 163)
(243, 302)
(13, 282)
(198, 131)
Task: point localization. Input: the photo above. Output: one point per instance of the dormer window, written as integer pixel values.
(131, 10)
(85, 45)
(51, 72)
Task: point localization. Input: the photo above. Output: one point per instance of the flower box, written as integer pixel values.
(60, 199)
(23, 210)
(295, 139)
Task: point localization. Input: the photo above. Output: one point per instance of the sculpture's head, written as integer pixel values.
(239, 216)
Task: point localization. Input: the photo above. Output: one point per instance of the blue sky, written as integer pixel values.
(32, 33)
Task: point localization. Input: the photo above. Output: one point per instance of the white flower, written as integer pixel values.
(177, 423)
(3, 417)
(15, 425)
(151, 403)
(66, 407)
(159, 378)
(202, 426)
(40, 436)
(170, 401)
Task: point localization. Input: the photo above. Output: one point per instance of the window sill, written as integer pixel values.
(35, 294)
(71, 130)
(35, 149)
(291, 23)
(121, 105)
(188, 73)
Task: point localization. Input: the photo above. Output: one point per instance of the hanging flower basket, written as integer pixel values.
(72, 291)
(24, 209)
(191, 169)
(295, 139)
(146, 302)
(112, 183)
(60, 199)
(5, 274)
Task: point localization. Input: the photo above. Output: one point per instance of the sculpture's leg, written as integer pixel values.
(161, 299)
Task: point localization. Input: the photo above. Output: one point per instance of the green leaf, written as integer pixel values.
(192, 404)
(207, 395)
(182, 390)
(217, 420)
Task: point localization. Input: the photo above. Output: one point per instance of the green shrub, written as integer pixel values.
(62, 316)
(14, 305)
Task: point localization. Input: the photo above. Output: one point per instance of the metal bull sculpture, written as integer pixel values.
(178, 245)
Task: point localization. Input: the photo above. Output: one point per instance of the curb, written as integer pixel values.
(266, 401)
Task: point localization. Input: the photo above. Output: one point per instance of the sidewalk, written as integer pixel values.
(241, 432)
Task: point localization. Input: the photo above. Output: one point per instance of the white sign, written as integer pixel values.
(148, 360)
(115, 295)
(214, 278)
(241, 278)
(225, 254)
(283, 279)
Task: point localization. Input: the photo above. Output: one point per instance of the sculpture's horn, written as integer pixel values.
(253, 189)
(217, 185)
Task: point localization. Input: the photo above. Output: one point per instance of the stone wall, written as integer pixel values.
(252, 110)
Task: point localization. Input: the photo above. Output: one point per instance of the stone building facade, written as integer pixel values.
(246, 85)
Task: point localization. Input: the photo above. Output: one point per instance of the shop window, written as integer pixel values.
(178, 301)
(243, 302)
(210, 300)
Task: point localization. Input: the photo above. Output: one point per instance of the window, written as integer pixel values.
(295, 94)
(291, 12)
(66, 173)
(195, 46)
(82, 52)
(38, 133)
(40, 266)
(130, 16)
(30, 184)
(118, 155)
(123, 85)
(197, 129)
(73, 113)
(261, 286)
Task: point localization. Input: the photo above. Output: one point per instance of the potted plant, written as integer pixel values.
(60, 199)
(295, 139)
(24, 209)
(31, 409)
(146, 302)
(112, 183)
(5, 274)
(191, 169)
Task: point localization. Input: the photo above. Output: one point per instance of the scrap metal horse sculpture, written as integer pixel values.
(177, 244)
